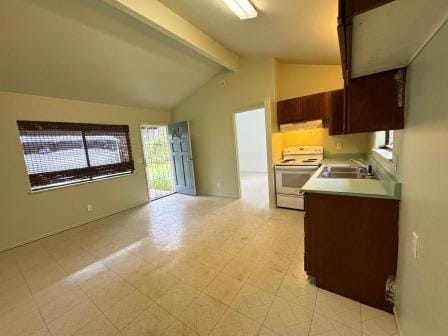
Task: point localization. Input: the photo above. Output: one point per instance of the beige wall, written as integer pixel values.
(422, 302)
(28, 216)
(295, 80)
(210, 111)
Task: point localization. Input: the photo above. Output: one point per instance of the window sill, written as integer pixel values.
(31, 192)
(385, 154)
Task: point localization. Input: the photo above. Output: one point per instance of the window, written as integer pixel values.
(66, 153)
(388, 140)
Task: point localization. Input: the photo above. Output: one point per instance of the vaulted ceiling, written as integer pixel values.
(296, 31)
(89, 50)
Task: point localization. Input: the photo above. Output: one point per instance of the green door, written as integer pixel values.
(182, 158)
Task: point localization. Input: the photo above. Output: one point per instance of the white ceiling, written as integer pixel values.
(88, 50)
(296, 31)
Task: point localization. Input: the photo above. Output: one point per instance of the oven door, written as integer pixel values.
(289, 179)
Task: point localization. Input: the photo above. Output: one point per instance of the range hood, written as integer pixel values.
(301, 126)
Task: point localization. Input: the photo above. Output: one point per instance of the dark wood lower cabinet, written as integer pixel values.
(351, 245)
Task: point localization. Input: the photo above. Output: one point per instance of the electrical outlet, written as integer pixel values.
(338, 146)
(89, 207)
(415, 245)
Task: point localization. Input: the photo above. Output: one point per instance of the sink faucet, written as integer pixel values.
(361, 163)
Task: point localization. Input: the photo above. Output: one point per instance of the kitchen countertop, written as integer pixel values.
(383, 187)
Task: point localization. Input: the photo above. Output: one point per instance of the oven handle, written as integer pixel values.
(296, 168)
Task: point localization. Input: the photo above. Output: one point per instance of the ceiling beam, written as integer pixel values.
(158, 16)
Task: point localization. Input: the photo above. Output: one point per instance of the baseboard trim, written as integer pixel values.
(46, 235)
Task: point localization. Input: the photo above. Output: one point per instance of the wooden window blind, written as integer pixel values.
(65, 153)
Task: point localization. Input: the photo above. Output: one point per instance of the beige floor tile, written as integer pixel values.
(224, 288)
(266, 278)
(80, 317)
(253, 302)
(323, 326)
(157, 283)
(276, 261)
(179, 298)
(217, 259)
(143, 264)
(240, 269)
(126, 310)
(203, 314)
(21, 320)
(97, 327)
(301, 292)
(59, 299)
(179, 329)
(377, 323)
(139, 273)
(236, 324)
(13, 292)
(109, 291)
(267, 332)
(339, 308)
(153, 321)
(43, 276)
(42, 332)
(198, 276)
(288, 318)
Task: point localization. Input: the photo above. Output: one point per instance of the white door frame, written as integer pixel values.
(266, 106)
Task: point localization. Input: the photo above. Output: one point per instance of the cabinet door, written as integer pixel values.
(354, 243)
(376, 102)
(288, 111)
(336, 116)
(313, 107)
(355, 7)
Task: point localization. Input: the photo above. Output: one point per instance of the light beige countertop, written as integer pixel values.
(383, 187)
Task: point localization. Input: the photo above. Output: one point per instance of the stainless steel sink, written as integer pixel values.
(345, 172)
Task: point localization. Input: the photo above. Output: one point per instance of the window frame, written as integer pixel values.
(68, 177)
(387, 138)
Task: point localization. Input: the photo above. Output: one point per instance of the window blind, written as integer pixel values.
(64, 153)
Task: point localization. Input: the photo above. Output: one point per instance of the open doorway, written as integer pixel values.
(252, 155)
(159, 171)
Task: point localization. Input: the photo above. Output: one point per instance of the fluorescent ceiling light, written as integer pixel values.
(242, 8)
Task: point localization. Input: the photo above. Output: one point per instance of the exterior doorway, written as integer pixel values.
(158, 164)
(250, 127)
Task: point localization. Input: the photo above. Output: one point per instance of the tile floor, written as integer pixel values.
(178, 266)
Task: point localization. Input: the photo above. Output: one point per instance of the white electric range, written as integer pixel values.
(297, 166)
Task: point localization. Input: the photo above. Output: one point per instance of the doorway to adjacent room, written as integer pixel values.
(252, 155)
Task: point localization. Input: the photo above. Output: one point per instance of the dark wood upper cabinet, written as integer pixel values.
(376, 102)
(289, 111)
(314, 106)
(351, 245)
(336, 117)
(355, 7)
(301, 109)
